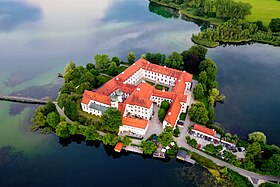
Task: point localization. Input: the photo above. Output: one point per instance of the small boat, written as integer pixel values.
(59, 75)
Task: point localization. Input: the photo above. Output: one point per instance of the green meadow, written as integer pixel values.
(263, 10)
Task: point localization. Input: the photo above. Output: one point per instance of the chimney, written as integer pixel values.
(169, 113)
(164, 66)
(138, 89)
(117, 78)
(122, 72)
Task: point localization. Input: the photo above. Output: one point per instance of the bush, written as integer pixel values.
(204, 161)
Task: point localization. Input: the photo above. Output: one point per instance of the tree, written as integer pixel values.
(192, 58)
(62, 130)
(100, 80)
(131, 57)
(177, 132)
(39, 119)
(274, 25)
(198, 113)
(49, 107)
(272, 166)
(53, 119)
(111, 120)
(203, 78)
(101, 61)
(116, 60)
(126, 140)
(257, 137)
(249, 165)
(69, 68)
(73, 128)
(175, 60)
(192, 142)
(67, 88)
(148, 147)
(71, 110)
(110, 139)
(90, 66)
(161, 114)
(198, 91)
(211, 113)
(165, 105)
(113, 69)
(253, 151)
(165, 138)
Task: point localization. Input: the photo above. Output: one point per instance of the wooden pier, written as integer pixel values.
(23, 99)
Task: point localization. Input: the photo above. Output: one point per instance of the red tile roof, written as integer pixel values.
(118, 147)
(204, 129)
(173, 112)
(89, 95)
(141, 96)
(133, 122)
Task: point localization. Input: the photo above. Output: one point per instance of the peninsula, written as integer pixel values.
(157, 109)
(228, 23)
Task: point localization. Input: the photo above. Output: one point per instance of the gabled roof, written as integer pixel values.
(141, 96)
(173, 112)
(118, 147)
(133, 122)
(204, 129)
(89, 95)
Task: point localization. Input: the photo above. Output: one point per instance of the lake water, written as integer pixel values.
(37, 39)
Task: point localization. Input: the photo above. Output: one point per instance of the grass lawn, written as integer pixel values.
(151, 83)
(160, 87)
(263, 10)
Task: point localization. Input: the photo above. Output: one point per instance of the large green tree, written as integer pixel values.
(101, 61)
(113, 69)
(175, 60)
(272, 166)
(274, 25)
(131, 57)
(192, 58)
(198, 91)
(161, 114)
(148, 147)
(165, 105)
(253, 151)
(69, 68)
(126, 141)
(165, 138)
(62, 130)
(110, 139)
(111, 120)
(53, 119)
(198, 113)
(257, 137)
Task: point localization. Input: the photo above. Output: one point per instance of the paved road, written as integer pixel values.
(61, 112)
(243, 172)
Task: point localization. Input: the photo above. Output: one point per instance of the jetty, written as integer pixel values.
(23, 99)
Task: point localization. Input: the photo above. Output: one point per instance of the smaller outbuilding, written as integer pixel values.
(118, 147)
(183, 155)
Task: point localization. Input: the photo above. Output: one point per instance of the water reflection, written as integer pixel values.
(13, 14)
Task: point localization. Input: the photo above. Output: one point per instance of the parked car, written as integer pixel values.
(199, 146)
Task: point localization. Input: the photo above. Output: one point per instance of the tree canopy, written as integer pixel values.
(148, 147)
(111, 120)
(101, 61)
(198, 113)
(131, 57)
(175, 60)
(198, 91)
(192, 58)
(257, 137)
(274, 25)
